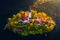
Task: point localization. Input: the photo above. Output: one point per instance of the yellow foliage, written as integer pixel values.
(33, 11)
(47, 17)
(11, 23)
(39, 14)
(15, 22)
(18, 15)
(9, 19)
(51, 27)
(14, 16)
(44, 14)
(35, 15)
(31, 24)
(52, 22)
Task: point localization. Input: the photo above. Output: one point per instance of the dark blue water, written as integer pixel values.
(10, 7)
